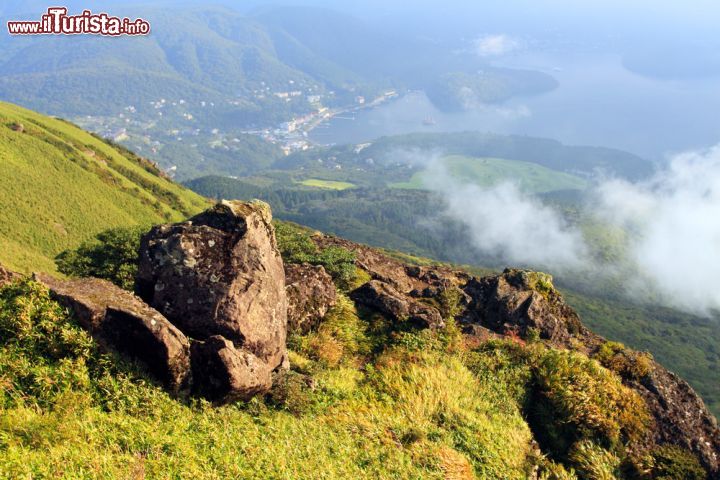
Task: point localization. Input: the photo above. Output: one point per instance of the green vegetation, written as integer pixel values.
(113, 256)
(486, 172)
(629, 364)
(548, 153)
(580, 413)
(365, 399)
(76, 413)
(388, 218)
(394, 159)
(686, 344)
(61, 185)
(328, 184)
(578, 400)
(670, 462)
(595, 463)
(296, 246)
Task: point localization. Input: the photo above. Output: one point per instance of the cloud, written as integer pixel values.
(495, 45)
(671, 225)
(673, 221)
(508, 224)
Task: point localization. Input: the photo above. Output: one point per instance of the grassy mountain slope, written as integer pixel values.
(60, 185)
(366, 397)
(379, 407)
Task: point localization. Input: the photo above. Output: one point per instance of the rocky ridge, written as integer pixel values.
(523, 304)
(215, 303)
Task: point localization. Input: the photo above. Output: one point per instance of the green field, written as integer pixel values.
(60, 185)
(327, 184)
(485, 172)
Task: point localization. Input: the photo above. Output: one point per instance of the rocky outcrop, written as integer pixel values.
(119, 320)
(383, 298)
(310, 293)
(7, 276)
(225, 374)
(517, 301)
(525, 304)
(402, 277)
(521, 302)
(681, 417)
(220, 273)
(400, 291)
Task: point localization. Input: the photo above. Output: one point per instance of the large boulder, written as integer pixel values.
(220, 273)
(121, 321)
(310, 292)
(223, 373)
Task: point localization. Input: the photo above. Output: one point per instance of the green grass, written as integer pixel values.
(327, 184)
(378, 409)
(682, 343)
(60, 185)
(365, 398)
(486, 172)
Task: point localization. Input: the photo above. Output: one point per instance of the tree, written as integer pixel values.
(112, 255)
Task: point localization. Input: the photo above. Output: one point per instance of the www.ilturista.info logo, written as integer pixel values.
(57, 22)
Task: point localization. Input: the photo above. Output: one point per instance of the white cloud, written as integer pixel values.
(674, 223)
(495, 45)
(508, 224)
(671, 221)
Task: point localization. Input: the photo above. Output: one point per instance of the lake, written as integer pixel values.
(598, 102)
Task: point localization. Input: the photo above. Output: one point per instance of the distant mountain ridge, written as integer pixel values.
(210, 54)
(206, 76)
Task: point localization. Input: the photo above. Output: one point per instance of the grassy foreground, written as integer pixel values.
(365, 399)
(69, 411)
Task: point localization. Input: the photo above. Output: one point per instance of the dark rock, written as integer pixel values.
(121, 321)
(223, 373)
(518, 301)
(7, 276)
(310, 292)
(402, 277)
(480, 333)
(220, 273)
(384, 298)
(681, 417)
